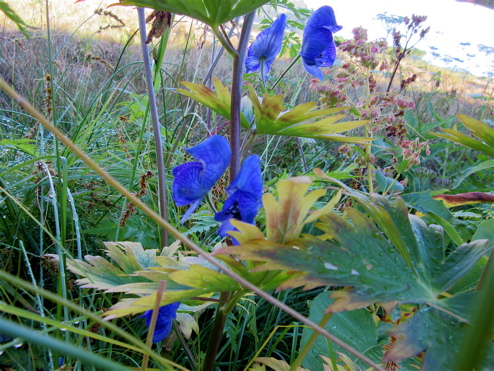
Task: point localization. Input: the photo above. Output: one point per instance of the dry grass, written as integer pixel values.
(88, 48)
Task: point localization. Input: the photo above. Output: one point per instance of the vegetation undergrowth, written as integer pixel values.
(353, 229)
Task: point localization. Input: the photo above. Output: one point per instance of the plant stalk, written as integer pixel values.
(152, 324)
(237, 79)
(310, 343)
(156, 124)
(216, 333)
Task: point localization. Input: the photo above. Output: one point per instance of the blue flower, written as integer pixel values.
(245, 194)
(166, 315)
(318, 48)
(193, 180)
(266, 47)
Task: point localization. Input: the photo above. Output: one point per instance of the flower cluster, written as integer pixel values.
(193, 180)
(410, 150)
(318, 47)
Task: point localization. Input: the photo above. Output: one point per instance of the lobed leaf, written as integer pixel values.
(390, 257)
(219, 100)
(270, 119)
(212, 12)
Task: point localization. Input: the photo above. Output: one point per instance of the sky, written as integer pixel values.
(451, 23)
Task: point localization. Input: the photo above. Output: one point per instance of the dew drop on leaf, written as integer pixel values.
(331, 266)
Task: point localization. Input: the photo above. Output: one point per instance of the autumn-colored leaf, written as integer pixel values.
(367, 261)
(298, 122)
(465, 198)
(219, 100)
(274, 364)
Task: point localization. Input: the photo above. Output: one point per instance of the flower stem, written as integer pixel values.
(285, 72)
(310, 343)
(237, 79)
(368, 134)
(225, 42)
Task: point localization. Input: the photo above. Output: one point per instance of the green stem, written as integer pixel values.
(225, 42)
(310, 343)
(285, 72)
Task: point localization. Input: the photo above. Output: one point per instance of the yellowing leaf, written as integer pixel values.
(276, 364)
(187, 324)
(483, 132)
(219, 101)
(270, 119)
(204, 278)
(286, 217)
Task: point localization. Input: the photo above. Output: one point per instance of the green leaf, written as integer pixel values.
(484, 231)
(9, 13)
(472, 170)
(424, 203)
(24, 145)
(460, 138)
(356, 328)
(433, 331)
(482, 131)
(212, 12)
(386, 183)
(448, 228)
(367, 260)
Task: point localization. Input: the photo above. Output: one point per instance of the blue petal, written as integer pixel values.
(245, 196)
(214, 153)
(252, 63)
(164, 320)
(315, 46)
(318, 48)
(188, 185)
(248, 178)
(193, 180)
(314, 71)
(266, 47)
(322, 18)
(190, 210)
